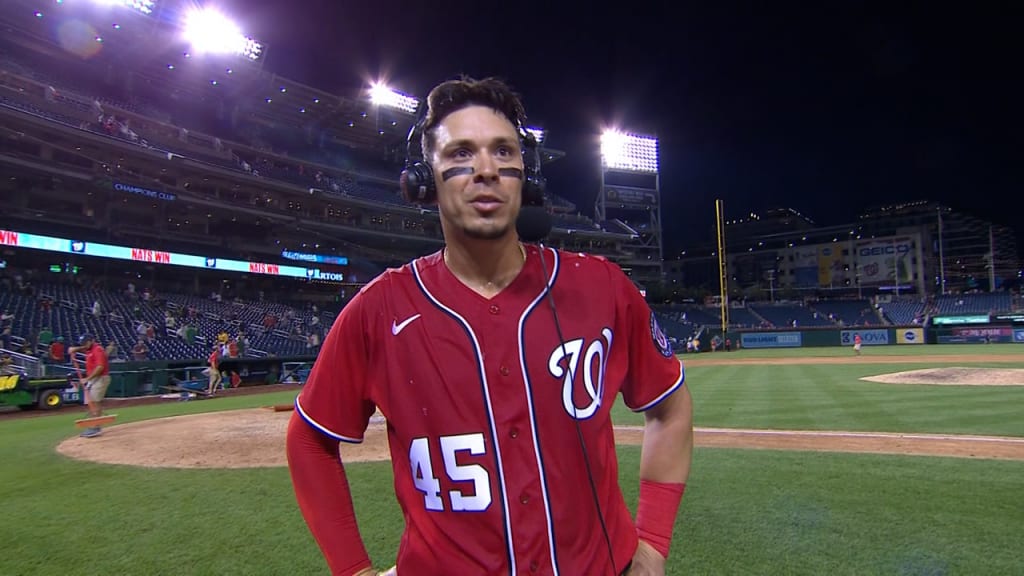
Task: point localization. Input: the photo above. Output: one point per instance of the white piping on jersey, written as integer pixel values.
(529, 402)
(490, 413)
(675, 386)
(322, 428)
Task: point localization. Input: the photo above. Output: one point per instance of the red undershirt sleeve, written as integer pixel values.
(324, 498)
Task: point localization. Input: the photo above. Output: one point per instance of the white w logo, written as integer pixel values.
(594, 386)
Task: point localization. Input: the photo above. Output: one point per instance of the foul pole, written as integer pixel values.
(723, 279)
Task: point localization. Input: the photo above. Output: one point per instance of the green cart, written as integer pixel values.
(44, 393)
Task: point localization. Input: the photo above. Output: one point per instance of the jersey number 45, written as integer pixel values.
(425, 481)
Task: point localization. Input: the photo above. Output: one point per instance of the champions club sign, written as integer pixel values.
(140, 191)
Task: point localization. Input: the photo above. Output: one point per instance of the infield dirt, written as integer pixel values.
(255, 437)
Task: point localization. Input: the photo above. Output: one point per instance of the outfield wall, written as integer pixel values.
(888, 336)
(132, 379)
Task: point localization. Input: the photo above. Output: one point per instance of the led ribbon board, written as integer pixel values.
(68, 246)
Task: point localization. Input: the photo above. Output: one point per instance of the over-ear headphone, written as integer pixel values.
(417, 179)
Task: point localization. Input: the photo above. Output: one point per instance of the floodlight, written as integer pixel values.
(210, 31)
(144, 6)
(538, 134)
(381, 95)
(629, 152)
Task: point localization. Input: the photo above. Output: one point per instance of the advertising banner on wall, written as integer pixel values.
(978, 335)
(771, 340)
(1018, 336)
(885, 260)
(805, 266)
(867, 337)
(830, 266)
(910, 336)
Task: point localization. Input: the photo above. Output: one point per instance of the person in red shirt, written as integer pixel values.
(215, 377)
(94, 383)
(498, 408)
(57, 350)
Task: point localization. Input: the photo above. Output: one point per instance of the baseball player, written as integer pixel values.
(94, 383)
(496, 365)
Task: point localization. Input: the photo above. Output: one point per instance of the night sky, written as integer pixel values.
(824, 108)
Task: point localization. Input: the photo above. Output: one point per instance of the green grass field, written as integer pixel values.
(745, 511)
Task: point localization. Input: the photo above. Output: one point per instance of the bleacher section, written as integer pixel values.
(789, 315)
(847, 312)
(905, 311)
(677, 330)
(123, 319)
(997, 303)
(26, 89)
(743, 318)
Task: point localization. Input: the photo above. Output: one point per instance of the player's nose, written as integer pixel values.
(486, 169)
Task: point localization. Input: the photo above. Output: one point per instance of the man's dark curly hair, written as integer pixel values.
(454, 95)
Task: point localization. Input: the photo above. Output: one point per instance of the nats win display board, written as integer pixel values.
(80, 247)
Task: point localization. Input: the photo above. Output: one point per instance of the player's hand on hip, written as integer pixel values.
(647, 562)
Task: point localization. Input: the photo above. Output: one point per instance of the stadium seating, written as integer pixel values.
(789, 315)
(981, 303)
(905, 311)
(71, 315)
(676, 330)
(744, 318)
(75, 106)
(847, 312)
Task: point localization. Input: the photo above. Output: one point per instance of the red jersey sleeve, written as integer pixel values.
(335, 398)
(653, 371)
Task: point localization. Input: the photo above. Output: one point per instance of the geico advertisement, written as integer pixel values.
(885, 260)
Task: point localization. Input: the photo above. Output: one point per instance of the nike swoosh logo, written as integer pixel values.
(396, 328)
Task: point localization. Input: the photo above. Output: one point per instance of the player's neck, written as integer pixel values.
(486, 267)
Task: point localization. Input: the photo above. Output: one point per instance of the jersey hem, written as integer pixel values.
(309, 420)
(675, 386)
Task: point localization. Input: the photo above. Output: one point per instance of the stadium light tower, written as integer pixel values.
(630, 193)
(211, 32)
(143, 6)
(382, 95)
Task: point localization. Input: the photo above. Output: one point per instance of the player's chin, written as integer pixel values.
(489, 229)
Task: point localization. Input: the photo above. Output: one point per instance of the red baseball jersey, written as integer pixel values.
(482, 397)
(95, 358)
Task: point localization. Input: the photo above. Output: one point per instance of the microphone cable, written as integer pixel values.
(579, 430)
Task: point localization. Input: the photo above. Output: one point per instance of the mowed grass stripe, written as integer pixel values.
(850, 404)
(829, 397)
(761, 512)
(867, 352)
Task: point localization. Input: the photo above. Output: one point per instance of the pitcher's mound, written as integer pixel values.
(954, 376)
(234, 439)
